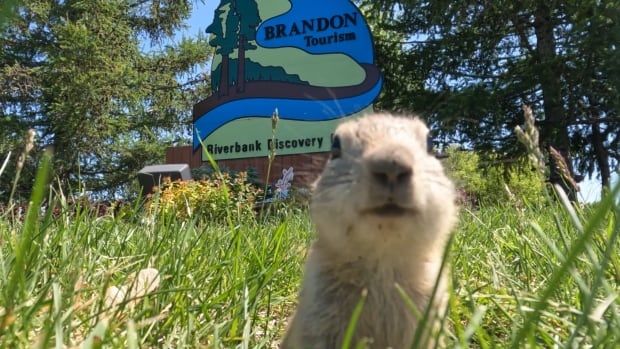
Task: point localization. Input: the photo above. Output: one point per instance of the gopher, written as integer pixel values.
(383, 210)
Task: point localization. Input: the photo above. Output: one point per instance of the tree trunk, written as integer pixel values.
(223, 90)
(241, 65)
(598, 139)
(601, 156)
(554, 131)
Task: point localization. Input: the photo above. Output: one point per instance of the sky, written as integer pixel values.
(200, 19)
(202, 16)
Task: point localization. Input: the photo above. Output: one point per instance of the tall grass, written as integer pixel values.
(523, 276)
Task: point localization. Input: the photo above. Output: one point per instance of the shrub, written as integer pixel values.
(210, 198)
(493, 181)
(463, 168)
(207, 172)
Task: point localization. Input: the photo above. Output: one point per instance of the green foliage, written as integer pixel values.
(207, 172)
(401, 79)
(212, 198)
(464, 168)
(79, 73)
(493, 181)
(7, 10)
(531, 277)
(468, 67)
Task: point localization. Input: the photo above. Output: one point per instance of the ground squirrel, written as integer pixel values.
(383, 209)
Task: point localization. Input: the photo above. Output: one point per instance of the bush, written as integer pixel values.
(210, 198)
(207, 172)
(493, 181)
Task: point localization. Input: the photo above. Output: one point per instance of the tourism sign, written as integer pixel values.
(311, 60)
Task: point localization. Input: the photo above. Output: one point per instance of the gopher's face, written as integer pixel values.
(382, 188)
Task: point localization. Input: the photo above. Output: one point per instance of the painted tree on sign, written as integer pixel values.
(247, 12)
(223, 32)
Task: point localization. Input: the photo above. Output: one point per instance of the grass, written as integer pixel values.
(522, 277)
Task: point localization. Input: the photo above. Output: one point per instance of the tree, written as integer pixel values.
(225, 41)
(75, 72)
(594, 85)
(7, 9)
(247, 12)
(389, 56)
(481, 61)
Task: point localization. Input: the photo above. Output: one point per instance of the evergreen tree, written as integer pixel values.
(75, 71)
(478, 62)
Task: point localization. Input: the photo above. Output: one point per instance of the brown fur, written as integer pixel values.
(359, 247)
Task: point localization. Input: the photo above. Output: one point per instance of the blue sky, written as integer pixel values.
(202, 16)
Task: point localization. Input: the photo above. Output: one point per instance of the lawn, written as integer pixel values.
(522, 277)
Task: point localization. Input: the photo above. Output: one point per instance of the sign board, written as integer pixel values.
(311, 60)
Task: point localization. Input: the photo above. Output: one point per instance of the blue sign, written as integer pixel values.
(312, 60)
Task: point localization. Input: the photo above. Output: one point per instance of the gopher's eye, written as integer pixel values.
(336, 151)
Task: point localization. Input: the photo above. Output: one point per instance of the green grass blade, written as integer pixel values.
(25, 248)
(350, 330)
(576, 249)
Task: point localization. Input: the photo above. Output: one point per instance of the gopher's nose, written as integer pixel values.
(390, 171)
